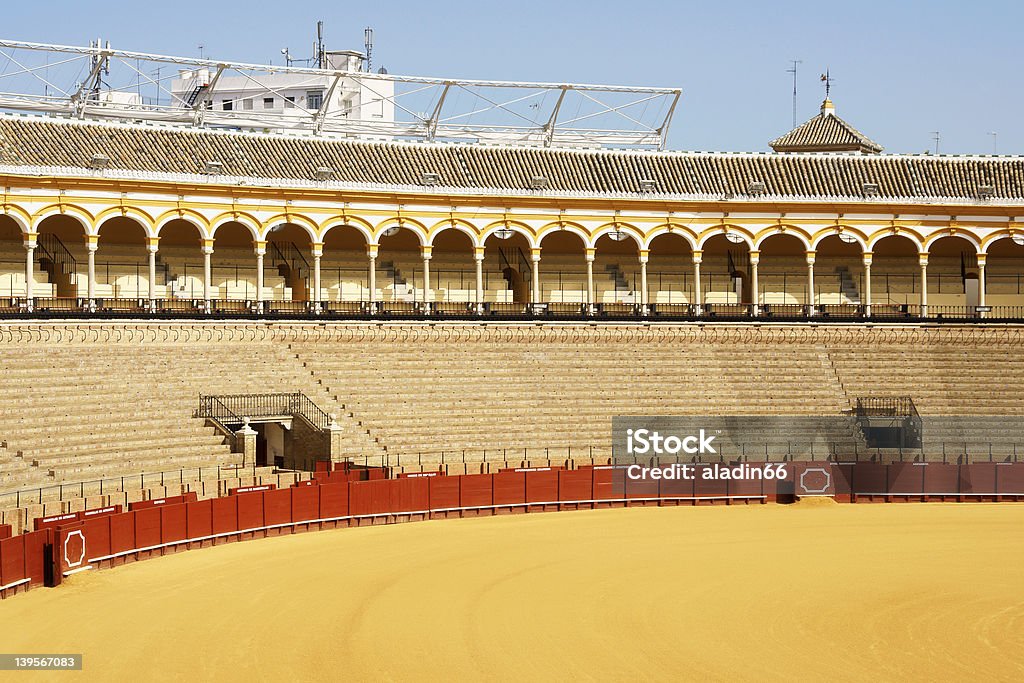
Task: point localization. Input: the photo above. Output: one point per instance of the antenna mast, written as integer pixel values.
(796, 63)
(318, 49)
(368, 36)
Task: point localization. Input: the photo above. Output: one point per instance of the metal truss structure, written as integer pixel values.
(98, 82)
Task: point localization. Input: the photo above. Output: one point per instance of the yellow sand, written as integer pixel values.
(776, 592)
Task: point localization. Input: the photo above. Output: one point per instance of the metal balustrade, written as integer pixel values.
(112, 308)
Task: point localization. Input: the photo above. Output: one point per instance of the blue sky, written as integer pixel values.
(901, 69)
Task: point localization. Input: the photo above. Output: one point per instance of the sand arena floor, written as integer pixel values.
(775, 592)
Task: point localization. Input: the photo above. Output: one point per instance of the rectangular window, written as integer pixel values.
(247, 104)
(268, 102)
(289, 102)
(314, 99)
(228, 105)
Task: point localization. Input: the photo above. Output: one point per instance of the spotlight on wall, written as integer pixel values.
(389, 232)
(849, 239)
(538, 182)
(647, 185)
(1018, 239)
(756, 187)
(324, 173)
(430, 179)
(734, 237)
(213, 168)
(986, 192)
(870, 189)
(504, 233)
(617, 235)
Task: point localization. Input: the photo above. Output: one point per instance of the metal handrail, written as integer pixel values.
(234, 409)
(55, 250)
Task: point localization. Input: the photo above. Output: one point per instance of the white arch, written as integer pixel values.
(565, 226)
(681, 231)
(251, 224)
(163, 222)
(935, 237)
(782, 233)
(514, 227)
(623, 228)
(747, 238)
(835, 231)
(459, 226)
(878, 237)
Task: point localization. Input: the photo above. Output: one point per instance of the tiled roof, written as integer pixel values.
(826, 132)
(42, 141)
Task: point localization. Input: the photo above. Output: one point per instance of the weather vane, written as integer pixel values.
(827, 80)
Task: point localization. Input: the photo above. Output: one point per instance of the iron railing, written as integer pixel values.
(886, 406)
(194, 307)
(233, 409)
(55, 250)
(890, 422)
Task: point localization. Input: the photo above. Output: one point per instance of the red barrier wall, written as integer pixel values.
(199, 518)
(305, 503)
(978, 478)
(277, 507)
(906, 478)
(12, 560)
(941, 478)
(444, 491)
(710, 487)
(869, 477)
(147, 527)
(542, 486)
(174, 523)
(250, 510)
(509, 488)
(122, 533)
(97, 534)
(576, 484)
(604, 482)
(1010, 479)
(334, 500)
(413, 495)
(34, 559)
(225, 514)
(474, 490)
(5, 531)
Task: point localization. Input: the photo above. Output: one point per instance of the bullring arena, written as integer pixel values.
(351, 398)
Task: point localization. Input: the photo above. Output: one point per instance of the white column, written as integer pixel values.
(478, 256)
(260, 248)
(810, 282)
(698, 297)
(427, 296)
(318, 251)
(371, 254)
(30, 267)
(981, 281)
(535, 293)
(923, 261)
(867, 283)
(644, 255)
(152, 245)
(589, 256)
(91, 245)
(755, 258)
(207, 271)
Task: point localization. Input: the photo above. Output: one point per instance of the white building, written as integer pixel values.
(330, 98)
